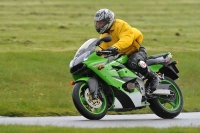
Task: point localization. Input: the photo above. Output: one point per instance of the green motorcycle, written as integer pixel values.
(104, 83)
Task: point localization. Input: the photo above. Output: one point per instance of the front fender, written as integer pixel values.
(92, 83)
(85, 79)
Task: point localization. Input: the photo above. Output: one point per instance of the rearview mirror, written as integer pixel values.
(105, 39)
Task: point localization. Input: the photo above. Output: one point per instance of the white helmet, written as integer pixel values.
(103, 20)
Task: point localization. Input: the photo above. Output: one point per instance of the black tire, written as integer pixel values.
(168, 109)
(85, 105)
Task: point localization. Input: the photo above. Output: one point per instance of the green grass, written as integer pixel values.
(35, 84)
(39, 38)
(51, 129)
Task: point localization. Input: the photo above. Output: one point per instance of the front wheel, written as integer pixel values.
(168, 107)
(89, 108)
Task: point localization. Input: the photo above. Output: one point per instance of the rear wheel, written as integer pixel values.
(170, 106)
(89, 108)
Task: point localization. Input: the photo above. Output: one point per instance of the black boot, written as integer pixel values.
(153, 80)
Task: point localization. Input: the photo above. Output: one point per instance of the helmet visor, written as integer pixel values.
(100, 24)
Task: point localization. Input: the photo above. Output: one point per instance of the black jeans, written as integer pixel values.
(134, 58)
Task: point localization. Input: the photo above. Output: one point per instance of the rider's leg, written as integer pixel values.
(153, 79)
(137, 63)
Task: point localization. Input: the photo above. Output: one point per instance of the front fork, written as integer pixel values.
(92, 83)
(93, 86)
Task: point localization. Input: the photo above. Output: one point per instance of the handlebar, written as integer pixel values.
(104, 52)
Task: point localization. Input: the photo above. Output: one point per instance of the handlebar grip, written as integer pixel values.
(105, 52)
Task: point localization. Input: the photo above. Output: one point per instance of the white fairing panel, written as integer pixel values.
(117, 104)
(136, 98)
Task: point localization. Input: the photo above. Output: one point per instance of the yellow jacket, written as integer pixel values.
(124, 37)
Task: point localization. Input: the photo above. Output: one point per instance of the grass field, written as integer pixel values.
(49, 129)
(39, 38)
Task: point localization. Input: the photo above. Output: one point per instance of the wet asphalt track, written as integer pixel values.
(148, 120)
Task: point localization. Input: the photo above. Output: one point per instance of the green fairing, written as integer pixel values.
(155, 68)
(123, 59)
(94, 61)
(108, 74)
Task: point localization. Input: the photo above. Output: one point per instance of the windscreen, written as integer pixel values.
(89, 45)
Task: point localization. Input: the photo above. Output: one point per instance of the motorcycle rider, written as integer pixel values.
(126, 40)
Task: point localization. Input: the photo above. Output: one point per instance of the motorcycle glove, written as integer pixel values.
(99, 53)
(114, 50)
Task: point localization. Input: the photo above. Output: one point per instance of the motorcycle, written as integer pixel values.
(104, 83)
